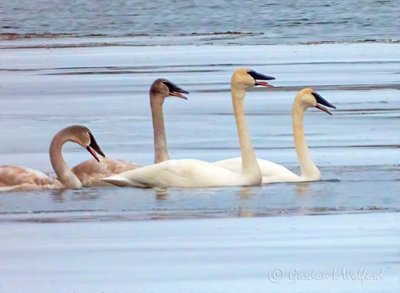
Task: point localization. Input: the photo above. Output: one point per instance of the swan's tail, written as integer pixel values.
(8, 188)
(118, 180)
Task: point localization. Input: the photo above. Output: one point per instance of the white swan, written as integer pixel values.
(196, 173)
(91, 172)
(22, 178)
(272, 172)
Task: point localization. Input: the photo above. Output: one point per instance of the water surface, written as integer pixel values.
(216, 21)
(357, 149)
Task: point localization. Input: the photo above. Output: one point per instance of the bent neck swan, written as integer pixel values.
(21, 178)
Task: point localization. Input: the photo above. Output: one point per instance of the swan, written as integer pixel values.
(271, 172)
(90, 172)
(195, 173)
(22, 178)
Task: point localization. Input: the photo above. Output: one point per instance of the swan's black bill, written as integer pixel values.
(321, 101)
(93, 148)
(175, 90)
(260, 76)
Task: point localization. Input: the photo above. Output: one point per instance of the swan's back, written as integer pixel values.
(14, 175)
(90, 172)
(271, 172)
(22, 178)
(186, 173)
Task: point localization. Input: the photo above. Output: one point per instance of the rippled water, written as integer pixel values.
(104, 239)
(357, 149)
(203, 256)
(248, 22)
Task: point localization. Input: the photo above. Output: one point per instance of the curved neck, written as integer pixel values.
(160, 139)
(307, 166)
(63, 172)
(249, 159)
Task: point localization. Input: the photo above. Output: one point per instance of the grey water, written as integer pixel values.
(91, 62)
(105, 88)
(205, 22)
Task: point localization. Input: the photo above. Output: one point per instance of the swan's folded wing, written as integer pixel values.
(234, 164)
(269, 169)
(13, 178)
(90, 172)
(176, 173)
(15, 175)
(164, 174)
(141, 177)
(121, 180)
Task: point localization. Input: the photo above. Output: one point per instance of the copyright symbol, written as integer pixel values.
(275, 275)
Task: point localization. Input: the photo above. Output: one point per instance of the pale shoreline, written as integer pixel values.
(49, 40)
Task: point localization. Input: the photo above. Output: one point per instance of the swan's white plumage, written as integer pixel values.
(186, 173)
(275, 173)
(195, 173)
(271, 172)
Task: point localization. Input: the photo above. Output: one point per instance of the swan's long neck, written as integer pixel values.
(160, 139)
(63, 172)
(249, 160)
(308, 169)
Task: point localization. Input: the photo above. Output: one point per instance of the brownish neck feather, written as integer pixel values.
(63, 172)
(160, 139)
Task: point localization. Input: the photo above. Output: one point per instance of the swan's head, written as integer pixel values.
(246, 78)
(165, 88)
(84, 137)
(310, 98)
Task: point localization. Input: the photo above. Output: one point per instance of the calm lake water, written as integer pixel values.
(249, 22)
(91, 63)
(105, 88)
